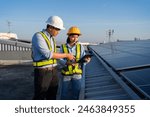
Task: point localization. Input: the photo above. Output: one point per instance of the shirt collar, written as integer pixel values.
(70, 46)
(47, 34)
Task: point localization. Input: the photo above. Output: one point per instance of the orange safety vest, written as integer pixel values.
(70, 70)
(49, 61)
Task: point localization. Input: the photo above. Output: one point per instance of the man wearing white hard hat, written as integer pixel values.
(44, 55)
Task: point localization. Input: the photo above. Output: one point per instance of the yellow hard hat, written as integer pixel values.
(74, 30)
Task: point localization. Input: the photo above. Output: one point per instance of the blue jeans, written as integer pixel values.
(71, 87)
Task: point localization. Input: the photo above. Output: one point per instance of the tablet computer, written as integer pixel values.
(82, 60)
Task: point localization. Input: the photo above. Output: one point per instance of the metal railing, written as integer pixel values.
(8, 45)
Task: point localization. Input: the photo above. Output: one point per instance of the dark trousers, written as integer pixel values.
(45, 83)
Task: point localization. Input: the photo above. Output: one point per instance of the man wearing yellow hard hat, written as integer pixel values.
(72, 71)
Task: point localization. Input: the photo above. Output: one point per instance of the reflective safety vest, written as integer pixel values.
(49, 61)
(70, 70)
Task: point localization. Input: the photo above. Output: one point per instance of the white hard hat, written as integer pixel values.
(56, 22)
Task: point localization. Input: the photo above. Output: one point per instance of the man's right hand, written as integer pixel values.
(70, 57)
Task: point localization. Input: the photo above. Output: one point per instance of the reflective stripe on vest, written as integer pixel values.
(69, 70)
(50, 61)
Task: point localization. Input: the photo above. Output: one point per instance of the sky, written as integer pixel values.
(128, 18)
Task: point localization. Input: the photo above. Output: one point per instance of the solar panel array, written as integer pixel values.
(130, 59)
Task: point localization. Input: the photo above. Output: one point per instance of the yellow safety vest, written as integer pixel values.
(50, 61)
(70, 70)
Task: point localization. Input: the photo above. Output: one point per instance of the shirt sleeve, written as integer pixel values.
(41, 46)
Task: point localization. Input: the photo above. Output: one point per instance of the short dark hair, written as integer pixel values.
(47, 26)
(52, 27)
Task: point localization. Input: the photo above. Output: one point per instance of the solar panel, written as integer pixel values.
(146, 89)
(139, 77)
(121, 55)
(131, 59)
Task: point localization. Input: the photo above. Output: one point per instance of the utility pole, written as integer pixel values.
(9, 24)
(110, 33)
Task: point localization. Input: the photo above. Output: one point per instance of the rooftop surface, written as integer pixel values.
(16, 82)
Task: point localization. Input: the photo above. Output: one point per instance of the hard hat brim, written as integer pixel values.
(74, 34)
(61, 28)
